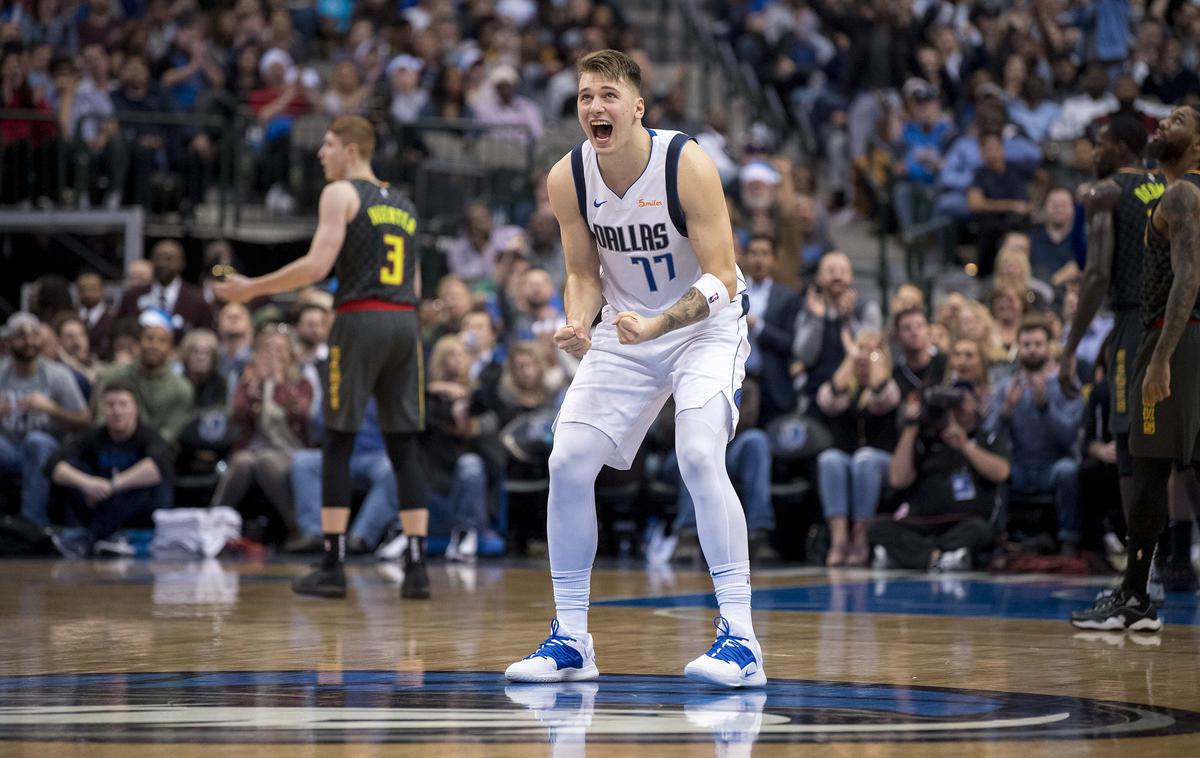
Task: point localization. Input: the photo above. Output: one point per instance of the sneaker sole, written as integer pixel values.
(1114, 624)
(758, 679)
(330, 593)
(1146, 625)
(586, 674)
(415, 594)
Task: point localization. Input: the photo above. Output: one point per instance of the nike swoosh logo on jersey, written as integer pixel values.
(598, 203)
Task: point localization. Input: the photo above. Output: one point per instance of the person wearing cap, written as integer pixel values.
(165, 399)
(924, 139)
(505, 107)
(39, 403)
(183, 301)
(948, 477)
(282, 97)
(404, 81)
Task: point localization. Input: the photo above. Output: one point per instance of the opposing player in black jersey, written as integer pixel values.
(1164, 391)
(366, 229)
(1116, 207)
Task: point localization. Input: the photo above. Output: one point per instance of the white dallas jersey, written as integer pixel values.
(646, 260)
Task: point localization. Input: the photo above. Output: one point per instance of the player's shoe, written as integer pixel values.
(1176, 577)
(730, 662)
(560, 658)
(322, 582)
(1120, 611)
(416, 581)
(735, 718)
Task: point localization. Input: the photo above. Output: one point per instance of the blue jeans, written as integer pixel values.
(370, 471)
(748, 460)
(851, 484)
(466, 504)
(28, 458)
(1060, 478)
(106, 517)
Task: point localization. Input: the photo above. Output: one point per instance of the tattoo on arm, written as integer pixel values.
(689, 309)
(1181, 211)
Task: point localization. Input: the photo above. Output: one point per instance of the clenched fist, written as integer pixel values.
(573, 339)
(634, 328)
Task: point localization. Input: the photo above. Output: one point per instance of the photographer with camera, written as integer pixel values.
(951, 472)
(1044, 425)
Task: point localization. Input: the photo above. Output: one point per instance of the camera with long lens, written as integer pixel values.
(936, 405)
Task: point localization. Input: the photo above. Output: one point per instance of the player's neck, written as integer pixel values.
(361, 171)
(1176, 169)
(621, 170)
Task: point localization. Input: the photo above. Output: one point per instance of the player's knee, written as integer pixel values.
(695, 456)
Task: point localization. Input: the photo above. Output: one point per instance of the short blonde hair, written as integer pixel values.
(357, 131)
(612, 64)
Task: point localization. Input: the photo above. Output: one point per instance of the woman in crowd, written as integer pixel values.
(198, 364)
(1014, 270)
(968, 364)
(1008, 308)
(270, 410)
(860, 404)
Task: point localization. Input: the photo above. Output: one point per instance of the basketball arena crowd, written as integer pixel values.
(977, 118)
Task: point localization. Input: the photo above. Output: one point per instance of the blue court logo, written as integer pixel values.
(395, 707)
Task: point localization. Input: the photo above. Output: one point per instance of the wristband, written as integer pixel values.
(714, 291)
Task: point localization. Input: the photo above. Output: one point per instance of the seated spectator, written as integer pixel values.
(998, 199)
(270, 409)
(1081, 110)
(950, 472)
(408, 99)
(920, 364)
(1052, 244)
(49, 296)
(453, 303)
(74, 350)
(859, 404)
(1092, 341)
(235, 332)
(139, 274)
(537, 314)
(198, 365)
(545, 246)
(145, 142)
(1043, 424)
(126, 337)
(473, 255)
(286, 93)
(94, 311)
(1033, 113)
(968, 364)
(812, 241)
(1013, 270)
(1008, 310)
(118, 474)
(975, 323)
(832, 315)
(458, 482)
(964, 159)
(370, 470)
(770, 322)
(165, 399)
(479, 338)
(39, 404)
(502, 106)
(313, 323)
(169, 292)
(924, 140)
(748, 460)
(1170, 80)
(347, 95)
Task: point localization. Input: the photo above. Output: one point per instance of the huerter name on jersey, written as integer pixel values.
(632, 238)
(392, 216)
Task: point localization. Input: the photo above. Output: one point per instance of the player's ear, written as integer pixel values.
(639, 109)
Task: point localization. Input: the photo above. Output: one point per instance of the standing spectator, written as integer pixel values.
(1043, 424)
(235, 332)
(924, 138)
(164, 398)
(39, 403)
(285, 94)
(118, 474)
(94, 311)
(1170, 81)
(169, 292)
(832, 315)
(859, 402)
(998, 199)
(1033, 113)
(348, 95)
(271, 406)
(771, 322)
(144, 142)
(950, 475)
(1052, 244)
(920, 364)
(408, 98)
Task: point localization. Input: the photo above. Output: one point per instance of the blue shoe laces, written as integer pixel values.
(555, 648)
(729, 648)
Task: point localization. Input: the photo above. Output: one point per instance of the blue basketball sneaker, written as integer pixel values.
(730, 662)
(560, 658)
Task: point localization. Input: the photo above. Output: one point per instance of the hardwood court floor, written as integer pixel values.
(146, 658)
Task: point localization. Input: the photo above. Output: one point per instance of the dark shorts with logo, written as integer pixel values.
(1123, 349)
(1170, 429)
(375, 354)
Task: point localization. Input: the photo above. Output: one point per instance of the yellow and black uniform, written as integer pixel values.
(1170, 429)
(375, 343)
(1140, 191)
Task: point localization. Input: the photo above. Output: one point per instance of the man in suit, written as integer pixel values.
(168, 292)
(94, 312)
(771, 320)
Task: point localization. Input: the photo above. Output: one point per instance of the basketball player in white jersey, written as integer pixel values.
(646, 235)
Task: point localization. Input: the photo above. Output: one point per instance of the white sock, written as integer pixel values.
(731, 582)
(571, 592)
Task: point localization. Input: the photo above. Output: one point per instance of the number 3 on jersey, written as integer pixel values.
(648, 265)
(393, 274)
